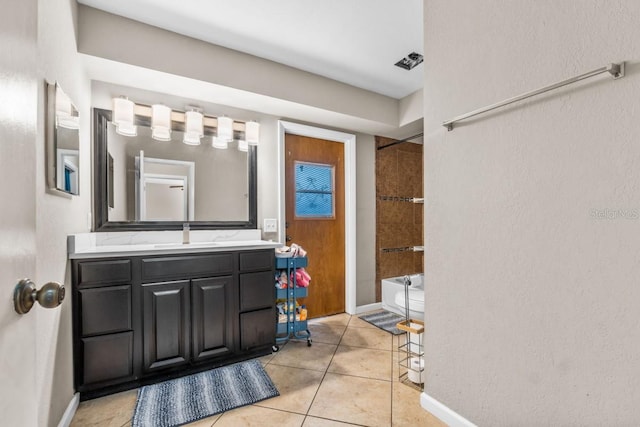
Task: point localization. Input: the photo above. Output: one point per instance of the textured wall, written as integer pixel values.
(531, 298)
(398, 222)
(102, 34)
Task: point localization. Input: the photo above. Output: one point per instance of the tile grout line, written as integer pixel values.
(325, 372)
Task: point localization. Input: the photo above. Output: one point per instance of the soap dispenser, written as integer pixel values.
(185, 234)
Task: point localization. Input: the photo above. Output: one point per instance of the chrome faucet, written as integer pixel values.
(185, 233)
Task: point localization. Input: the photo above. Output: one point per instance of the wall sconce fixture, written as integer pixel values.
(221, 144)
(252, 132)
(193, 127)
(160, 122)
(123, 116)
(242, 145)
(225, 128)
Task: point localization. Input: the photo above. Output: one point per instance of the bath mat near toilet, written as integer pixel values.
(385, 320)
(183, 400)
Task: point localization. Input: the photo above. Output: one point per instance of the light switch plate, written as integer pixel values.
(270, 225)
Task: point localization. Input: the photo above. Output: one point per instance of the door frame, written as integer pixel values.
(349, 141)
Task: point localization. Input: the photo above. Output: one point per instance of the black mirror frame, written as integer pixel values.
(101, 119)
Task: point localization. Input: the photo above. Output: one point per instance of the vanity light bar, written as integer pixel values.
(179, 117)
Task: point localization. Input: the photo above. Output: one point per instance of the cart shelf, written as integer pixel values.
(292, 328)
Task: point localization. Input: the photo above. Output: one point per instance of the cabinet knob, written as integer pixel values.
(288, 238)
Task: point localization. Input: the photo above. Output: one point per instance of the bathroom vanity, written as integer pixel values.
(143, 313)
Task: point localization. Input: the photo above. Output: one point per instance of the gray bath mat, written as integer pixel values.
(187, 399)
(384, 320)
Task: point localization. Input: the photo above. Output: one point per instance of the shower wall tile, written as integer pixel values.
(404, 213)
(398, 223)
(410, 179)
(405, 264)
(418, 262)
(388, 211)
(387, 238)
(387, 170)
(405, 235)
(418, 214)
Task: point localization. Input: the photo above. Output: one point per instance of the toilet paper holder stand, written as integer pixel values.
(411, 370)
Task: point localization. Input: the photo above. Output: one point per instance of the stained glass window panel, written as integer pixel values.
(314, 190)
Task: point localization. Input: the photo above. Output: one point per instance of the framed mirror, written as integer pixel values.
(63, 142)
(145, 184)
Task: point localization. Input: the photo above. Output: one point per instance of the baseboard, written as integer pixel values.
(443, 412)
(368, 307)
(65, 421)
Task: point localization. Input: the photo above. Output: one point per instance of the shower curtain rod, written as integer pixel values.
(400, 141)
(616, 71)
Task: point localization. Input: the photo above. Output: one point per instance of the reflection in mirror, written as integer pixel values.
(142, 183)
(164, 189)
(63, 142)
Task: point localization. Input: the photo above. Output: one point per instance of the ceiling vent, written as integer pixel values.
(410, 61)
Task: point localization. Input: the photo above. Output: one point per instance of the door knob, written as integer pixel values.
(288, 238)
(25, 295)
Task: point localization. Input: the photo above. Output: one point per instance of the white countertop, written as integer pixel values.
(115, 244)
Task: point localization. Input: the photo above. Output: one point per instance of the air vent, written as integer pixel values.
(410, 61)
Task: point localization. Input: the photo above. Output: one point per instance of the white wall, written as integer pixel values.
(531, 301)
(365, 219)
(57, 216)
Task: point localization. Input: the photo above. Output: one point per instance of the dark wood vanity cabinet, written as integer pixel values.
(103, 322)
(142, 319)
(257, 318)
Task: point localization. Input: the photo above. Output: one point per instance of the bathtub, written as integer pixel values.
(393, 295)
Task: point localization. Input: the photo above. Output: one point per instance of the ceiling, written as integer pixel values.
(353, 41)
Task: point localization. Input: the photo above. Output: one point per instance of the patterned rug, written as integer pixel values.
(384, 320)
(183, 400)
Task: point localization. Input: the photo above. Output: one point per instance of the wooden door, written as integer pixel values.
(314, 194)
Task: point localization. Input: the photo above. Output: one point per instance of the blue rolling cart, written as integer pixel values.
(292, 328)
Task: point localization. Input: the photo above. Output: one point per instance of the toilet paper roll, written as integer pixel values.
(416, 373)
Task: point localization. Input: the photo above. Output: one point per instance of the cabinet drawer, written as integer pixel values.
(105, 310)
(104, 272)
(257, 260)
(107, 357)
(180, 267)
(257, 290)
(258, 329)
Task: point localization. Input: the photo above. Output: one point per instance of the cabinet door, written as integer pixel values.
(165, 321)
(258, 329)
(213, 309)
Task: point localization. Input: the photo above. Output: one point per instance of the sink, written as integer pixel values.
(184, 245)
